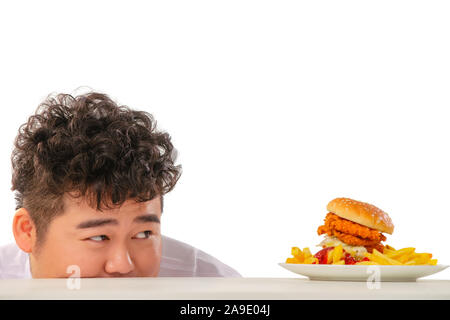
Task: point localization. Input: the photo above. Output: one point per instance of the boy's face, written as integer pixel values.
(123, 242)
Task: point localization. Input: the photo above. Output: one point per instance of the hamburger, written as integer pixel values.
(356, 225)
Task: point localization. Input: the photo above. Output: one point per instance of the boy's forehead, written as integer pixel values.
(77, 204)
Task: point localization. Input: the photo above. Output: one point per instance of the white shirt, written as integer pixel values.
(178, 259)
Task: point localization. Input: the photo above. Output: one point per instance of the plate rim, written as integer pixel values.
(330, 272)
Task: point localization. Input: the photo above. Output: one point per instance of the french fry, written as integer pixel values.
(401, 252)
(337, 254)
(406, 257)
(296, 259)
(382, 256)
(330, 256)
(432, 262)
(390, 248)
(411, 259)
(291, 260)
(422, 258)
(389, 252)
(311, 260)
(298, 254)
(374, 258)
(306, 253)
(377, 256)
(295, 251)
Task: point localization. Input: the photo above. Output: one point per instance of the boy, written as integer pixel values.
(89, 178)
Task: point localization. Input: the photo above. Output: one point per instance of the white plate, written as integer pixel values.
(362, 272)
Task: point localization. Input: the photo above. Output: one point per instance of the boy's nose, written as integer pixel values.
(119, 264)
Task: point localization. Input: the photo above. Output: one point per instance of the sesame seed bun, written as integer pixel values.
(362, 213)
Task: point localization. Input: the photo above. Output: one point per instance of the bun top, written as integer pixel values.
(362, 213)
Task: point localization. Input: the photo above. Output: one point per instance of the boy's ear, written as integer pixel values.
(23, 229)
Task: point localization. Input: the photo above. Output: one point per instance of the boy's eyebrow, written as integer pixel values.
(101, 222)
(147, 218)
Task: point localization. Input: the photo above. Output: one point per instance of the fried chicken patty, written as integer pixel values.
(351, 233)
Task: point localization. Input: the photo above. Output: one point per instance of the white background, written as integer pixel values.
(275, 107)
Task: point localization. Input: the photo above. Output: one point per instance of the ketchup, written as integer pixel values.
(322, 255)
(349, 259)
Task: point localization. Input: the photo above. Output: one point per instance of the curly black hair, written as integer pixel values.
(89, 146)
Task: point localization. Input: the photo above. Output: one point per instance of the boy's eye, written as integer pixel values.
(99, 238)
(144, 234)
(141, 235)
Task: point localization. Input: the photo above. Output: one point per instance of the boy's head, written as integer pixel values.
(89, 178)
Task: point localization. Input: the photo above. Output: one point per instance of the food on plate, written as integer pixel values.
(353, 236)
(337, 255)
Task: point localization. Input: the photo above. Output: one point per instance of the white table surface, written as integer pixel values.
(209, 288)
